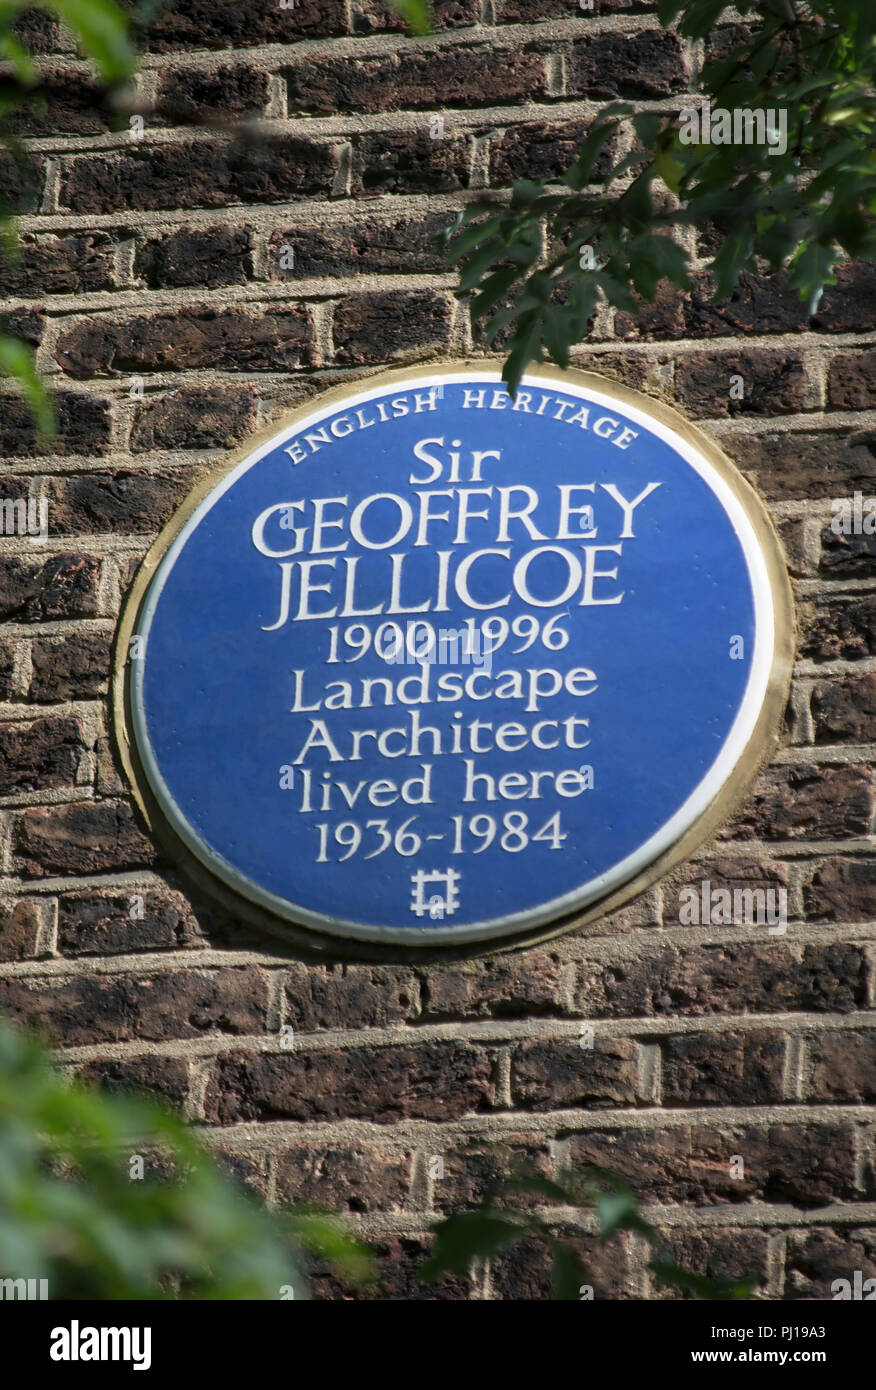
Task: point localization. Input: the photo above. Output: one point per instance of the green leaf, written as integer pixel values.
(102, 29)
(467, 1236)
(812, 269)
(16, 360)
(416, 14)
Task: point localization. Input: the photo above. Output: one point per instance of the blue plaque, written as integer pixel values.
(432, 665)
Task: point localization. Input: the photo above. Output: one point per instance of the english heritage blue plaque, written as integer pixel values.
(430, 665)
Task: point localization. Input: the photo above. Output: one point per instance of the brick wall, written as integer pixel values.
(161, 259)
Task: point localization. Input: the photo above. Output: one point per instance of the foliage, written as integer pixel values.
(71, 1212)
(538, 269)
(101, 30)
(417, 15)
(491, 1229)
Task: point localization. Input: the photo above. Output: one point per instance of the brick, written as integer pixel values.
(648, 64)
(432, 1081)
(529, 11)
(842, 890)
(202, 175)
(844, 709)
(807, 1165)
(351, 1177)
(842, 629)
(349, 996)
(398, 1260)
(797, 465)
(774, 383)
(475, 1169)
(208, 256)
(540, 150)
(792, 534)
(233, 91)
(125, 1008)
(66, 103)
(747, 978)
(121, 922)
(759, 304)
(83, 837)
(27, 324)
(847, 557)
(725, 873)
(458, 76)
(371, 328)
(371, 245)
(744, 1068)
(126, 502)
(19, 929)
(817, 1257)
(741, 1256)
(844, 1067)
(160, 1078)
(36, 591)
(7, 669)
(84, 426)
(224, 24)
(849, 306)
(523, 986)
(523, 1271)
(374, 16)
(560, 1074)
(180, 340)
(806, 803)
(74, 667)
(37, 30)
(409, 162)
(40, 755)
(21, 178)
(195, 417)
(851, 380)
(244, 1170)
(76, 264)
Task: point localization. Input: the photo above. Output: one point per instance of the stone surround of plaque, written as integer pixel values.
(426, 665)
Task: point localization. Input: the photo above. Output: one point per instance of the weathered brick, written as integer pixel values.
(36, 591)
(223, 339)
(788, 466)
(432, 1081)
(843, 1066)
(748, 978)
(120, 922)
(851, 380)
(817, 1257)
(382, 245)
(161, 1078)
(523, 986)
(370, 328)
(808, 1165)
(844, 709)
(560, 1074)
(374, 16)
(40, 755)
(126, 502)
(838, 629)
(21, 178)
(19, 929)
(66, 103)
(448, 77)
(276, 169)
(224, 24)
(803, 803)
(48, 264)
(37, 30)
(741, 1256)
(234, 91)
(7, 669)
(353, 1177)
(648, 64)
(74, 667)
(528, 11)
(207, 256)
(842, 890)
(523, 1271)
(83, 426)
(475, 1169)
(409, 162)
(849, 306)
(540, 150)
(774, 383)
(398, 1260)
(743, 1068)
(725, 874)
(195, 417)
(122, 1008)
(759, 304)
(83, 837)
(847, 557)
(349, 996)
